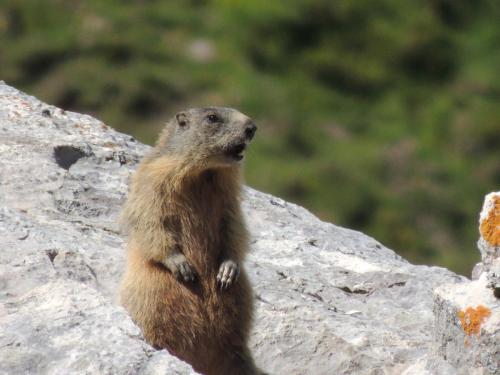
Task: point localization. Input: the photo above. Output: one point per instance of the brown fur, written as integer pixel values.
(189, 205)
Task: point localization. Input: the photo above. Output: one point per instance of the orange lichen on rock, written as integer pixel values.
(490, 227)
(472, 318)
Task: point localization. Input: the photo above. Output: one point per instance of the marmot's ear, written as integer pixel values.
(181, 119)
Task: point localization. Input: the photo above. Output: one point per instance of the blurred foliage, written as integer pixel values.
(377, 115)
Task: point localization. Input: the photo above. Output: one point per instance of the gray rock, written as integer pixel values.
(489, 242)
(332, 300)
(471, 352)
(64, 326)
(63, 177)
(329, 300)
(467, 315)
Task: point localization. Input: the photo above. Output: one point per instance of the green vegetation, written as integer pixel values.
(376, 115)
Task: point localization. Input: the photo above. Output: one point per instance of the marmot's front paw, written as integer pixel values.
(228, 273)
(180, 268)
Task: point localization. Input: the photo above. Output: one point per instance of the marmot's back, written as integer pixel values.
(184, 285)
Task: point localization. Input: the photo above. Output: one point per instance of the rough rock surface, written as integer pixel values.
(62, 180)
(489, 241)
(329, 300)
(471, 343)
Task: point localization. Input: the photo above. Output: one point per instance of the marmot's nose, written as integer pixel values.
(250, 129)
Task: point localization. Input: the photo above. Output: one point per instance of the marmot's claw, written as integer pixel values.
(180, 268)
(228, 274)
(186, 272)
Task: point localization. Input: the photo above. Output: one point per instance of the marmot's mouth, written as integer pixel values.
(236, 151)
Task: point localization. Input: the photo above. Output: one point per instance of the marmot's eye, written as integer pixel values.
(213, 118)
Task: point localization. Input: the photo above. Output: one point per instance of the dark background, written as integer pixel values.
(376, 115)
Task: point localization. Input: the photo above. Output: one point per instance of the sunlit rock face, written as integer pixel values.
(468, 314)
(329, 300)
(489, 242)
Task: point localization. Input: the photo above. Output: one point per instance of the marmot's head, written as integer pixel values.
(209, 137)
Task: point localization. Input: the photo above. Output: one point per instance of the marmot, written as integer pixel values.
(184, 284)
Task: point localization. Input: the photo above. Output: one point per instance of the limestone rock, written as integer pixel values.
(489, 242)
(64, 326)
(329, 300)
(468, 327)
(468, 314)
(62, 180)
